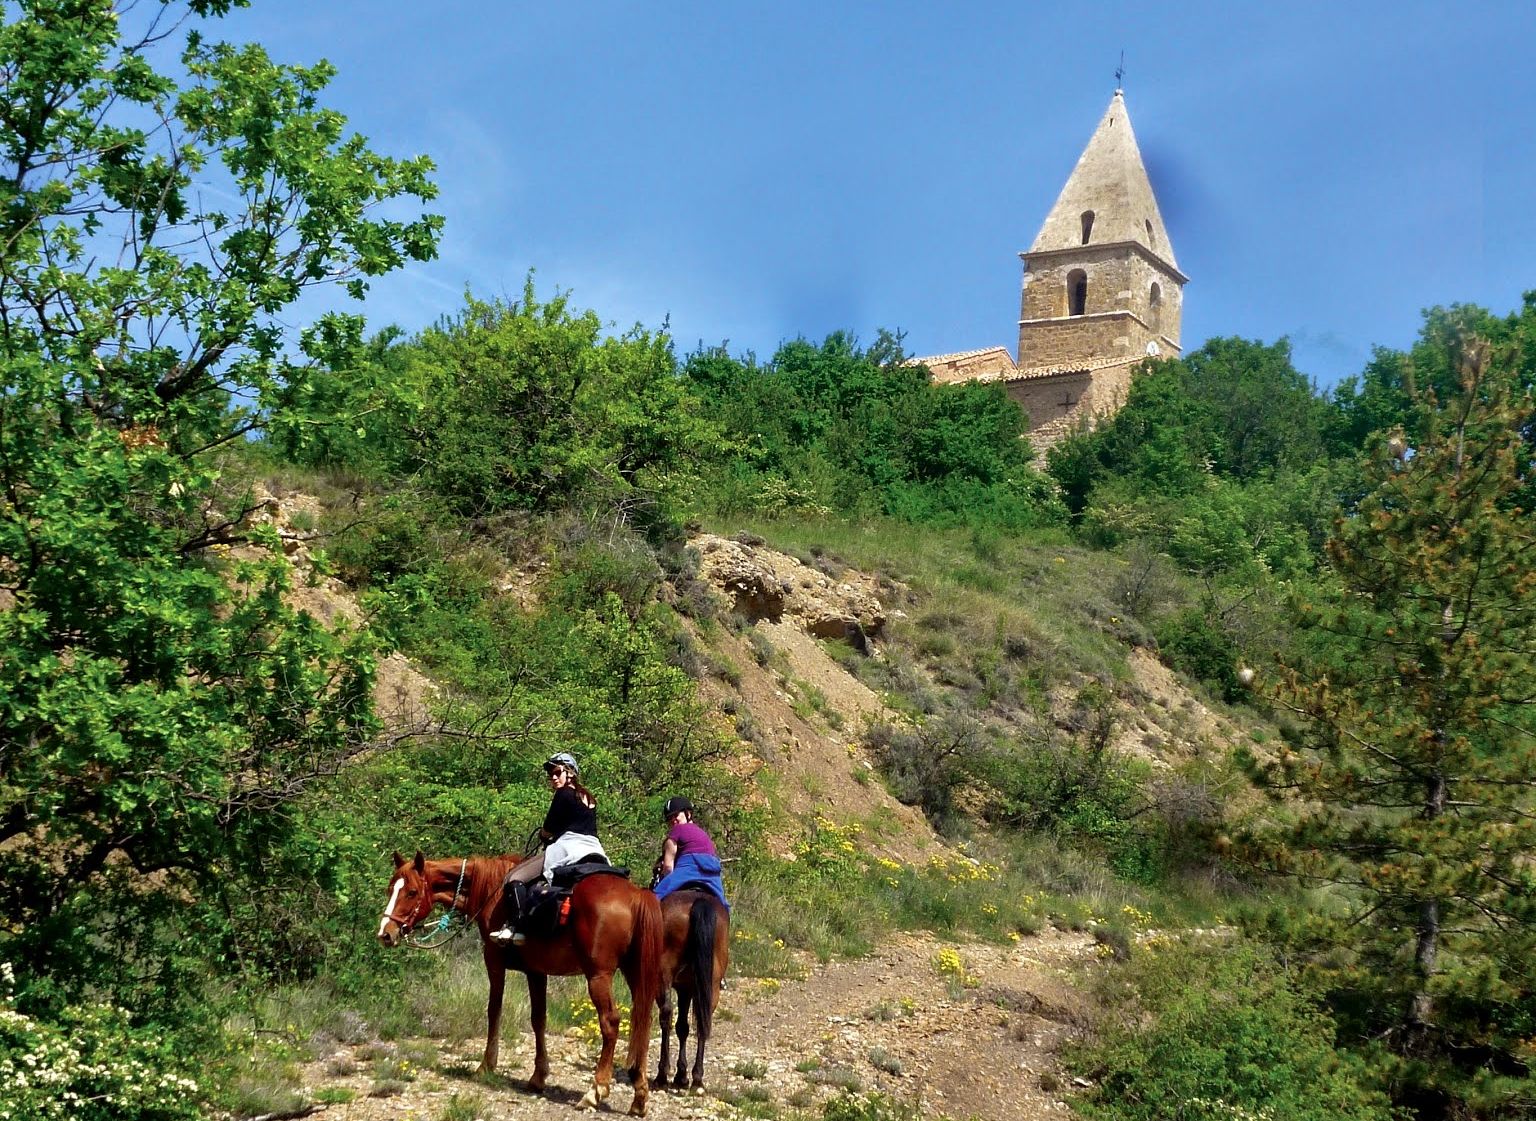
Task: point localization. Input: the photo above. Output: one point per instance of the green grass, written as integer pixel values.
(848, 904)
(750, 1069)
(464, 1107)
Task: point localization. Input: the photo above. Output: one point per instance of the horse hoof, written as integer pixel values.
(588, 1100)
(698, 1088)
(637, 1109)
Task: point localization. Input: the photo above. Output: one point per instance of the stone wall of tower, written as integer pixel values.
(1050, 399)
(1119, 315)
(1057, 404)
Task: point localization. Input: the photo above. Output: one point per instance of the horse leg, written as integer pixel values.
(600, 989)
(538, 1006)
(684, 1001)
(664, 1005)
(496, 973)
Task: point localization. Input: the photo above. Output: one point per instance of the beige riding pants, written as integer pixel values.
(526, 871)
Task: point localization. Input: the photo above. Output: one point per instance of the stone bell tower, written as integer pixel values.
(1100, 281)
(1102, 291)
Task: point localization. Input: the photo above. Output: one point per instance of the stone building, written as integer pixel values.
(1101, 292)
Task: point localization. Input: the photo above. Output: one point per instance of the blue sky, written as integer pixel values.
(756, 172)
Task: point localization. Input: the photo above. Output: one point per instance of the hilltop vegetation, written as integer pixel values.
(198, 792)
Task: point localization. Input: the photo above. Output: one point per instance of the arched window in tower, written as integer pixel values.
(1151, 237)
(1155, 300)
(1087, 225)
(1077, 292)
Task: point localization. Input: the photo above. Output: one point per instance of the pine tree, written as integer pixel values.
(1410, 790)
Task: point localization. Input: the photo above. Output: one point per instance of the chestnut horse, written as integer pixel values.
(696, 948)
(613, 925)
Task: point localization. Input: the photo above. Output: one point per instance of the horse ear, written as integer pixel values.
(421, 863)
(399, 860)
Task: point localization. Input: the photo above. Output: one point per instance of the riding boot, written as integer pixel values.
(516, 900)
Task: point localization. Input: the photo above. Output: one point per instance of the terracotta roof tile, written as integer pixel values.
(1074, 367)
(930, 359)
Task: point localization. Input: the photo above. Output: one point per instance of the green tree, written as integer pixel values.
(863, 431)
(1414, 783)
(1233, 408)
(1265, 414)
(160, 695)
(1384, 396)
(526, 405)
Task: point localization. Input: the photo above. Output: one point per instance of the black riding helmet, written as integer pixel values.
(676, 806)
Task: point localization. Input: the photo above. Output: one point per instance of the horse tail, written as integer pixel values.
(699, 956)
(644, 974)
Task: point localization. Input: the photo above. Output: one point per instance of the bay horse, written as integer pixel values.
(613, 925)
(696, 948)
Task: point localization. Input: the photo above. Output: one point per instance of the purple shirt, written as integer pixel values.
(691, 839)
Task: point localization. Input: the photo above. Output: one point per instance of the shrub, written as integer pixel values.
(839, 1076)
(1217, 1030)
(853, 1106)
(91, 1065)
(883, 1060)
(750, 1069)
(1081, 788)
(1193, 642)
(926, 766)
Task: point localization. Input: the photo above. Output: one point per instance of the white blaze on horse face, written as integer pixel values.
(389, 907)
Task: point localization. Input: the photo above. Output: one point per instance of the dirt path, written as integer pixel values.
(983, 1048)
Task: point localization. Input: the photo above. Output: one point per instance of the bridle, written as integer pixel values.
(423, 909)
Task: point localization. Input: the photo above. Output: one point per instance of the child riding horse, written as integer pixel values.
(613, 925)
(696, 948)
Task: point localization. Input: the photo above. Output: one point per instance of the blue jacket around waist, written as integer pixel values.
(694, 867)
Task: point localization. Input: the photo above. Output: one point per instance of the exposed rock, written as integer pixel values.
(762, 583)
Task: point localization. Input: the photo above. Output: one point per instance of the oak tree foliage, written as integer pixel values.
(165, 200)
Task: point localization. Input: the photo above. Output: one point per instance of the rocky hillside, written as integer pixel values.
(961, 1028)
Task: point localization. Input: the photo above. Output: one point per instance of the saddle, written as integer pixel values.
(546, 909)
(695, 885)
(572, 874)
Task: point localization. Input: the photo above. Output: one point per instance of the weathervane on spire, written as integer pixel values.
(1120, 73)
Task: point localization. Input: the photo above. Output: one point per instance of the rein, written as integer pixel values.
(423, 941)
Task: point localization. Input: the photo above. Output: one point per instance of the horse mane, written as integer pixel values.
(483, 876)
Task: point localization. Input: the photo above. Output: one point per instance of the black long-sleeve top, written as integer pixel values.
(569, 814)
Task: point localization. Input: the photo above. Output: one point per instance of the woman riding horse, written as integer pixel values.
(613, 926)
(697, 943)
(569, 834)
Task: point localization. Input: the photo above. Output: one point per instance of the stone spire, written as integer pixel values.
(1108, 198)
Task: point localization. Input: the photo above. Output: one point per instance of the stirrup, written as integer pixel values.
(506, 934)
